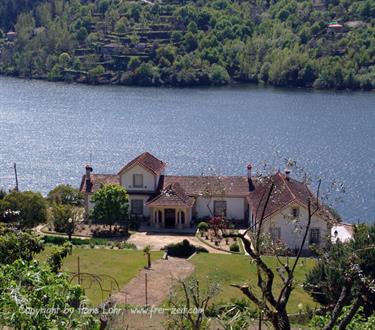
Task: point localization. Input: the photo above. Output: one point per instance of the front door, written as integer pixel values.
(170, 218)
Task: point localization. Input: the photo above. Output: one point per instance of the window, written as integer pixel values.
(137, 206)
(315, 236)
(220, 208)
(182, 217)
(275, 233)
(138, 180)
(295, 212)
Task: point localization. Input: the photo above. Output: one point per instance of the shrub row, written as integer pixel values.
(56, 240)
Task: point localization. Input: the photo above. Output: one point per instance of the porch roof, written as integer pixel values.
(172, 195)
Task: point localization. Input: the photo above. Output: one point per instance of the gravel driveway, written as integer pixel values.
(158, 241)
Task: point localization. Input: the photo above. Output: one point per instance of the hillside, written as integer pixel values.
(319, 43)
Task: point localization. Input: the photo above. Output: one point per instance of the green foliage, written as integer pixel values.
(32, 208)
(359, 322)
(57, 240)
(30, 293)
(111, 206)
(183, 249)
(15, 244)
(219, 75)
(348, 264)
(3, 193)
(203, 226)
(95, 72)
(282, 43)
(57, 256)
(66, 195)
(60, 217)
(234, 247)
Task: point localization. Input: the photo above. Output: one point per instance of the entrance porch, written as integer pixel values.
(167, 217)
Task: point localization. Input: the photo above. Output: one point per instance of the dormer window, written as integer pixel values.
(138, 180)
(295, 212)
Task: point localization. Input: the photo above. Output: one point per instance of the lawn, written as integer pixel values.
(122, 265)
(236, 269)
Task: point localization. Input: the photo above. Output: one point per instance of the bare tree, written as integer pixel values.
(273, 306)
(189, 311)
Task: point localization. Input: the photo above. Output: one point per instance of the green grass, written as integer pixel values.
(237, 269)
(121, 265)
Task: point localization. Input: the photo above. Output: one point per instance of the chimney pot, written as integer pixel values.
(88, 177)
(287, 173)
(249, 168)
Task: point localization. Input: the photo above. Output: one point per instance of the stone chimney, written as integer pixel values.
(88, 178)
(249, 168)
(287, 172)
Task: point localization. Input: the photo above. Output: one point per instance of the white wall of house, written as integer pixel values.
(150, 181)
(235, 207)
(292, 230)
(144, 198)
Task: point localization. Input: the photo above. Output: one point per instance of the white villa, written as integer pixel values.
(168, 201)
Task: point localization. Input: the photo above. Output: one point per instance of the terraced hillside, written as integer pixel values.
(320, 43)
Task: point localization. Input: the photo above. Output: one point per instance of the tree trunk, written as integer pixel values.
(149, 260)
(280, 320)
(344, 323)
(337, 310)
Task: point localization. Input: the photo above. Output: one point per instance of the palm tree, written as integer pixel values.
(147, 252)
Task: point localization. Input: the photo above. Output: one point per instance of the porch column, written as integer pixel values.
(156, 218)
(163, 218)
(180, 225)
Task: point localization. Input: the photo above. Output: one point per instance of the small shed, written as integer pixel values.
(11, 35)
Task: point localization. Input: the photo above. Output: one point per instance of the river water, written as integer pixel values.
(51, 130)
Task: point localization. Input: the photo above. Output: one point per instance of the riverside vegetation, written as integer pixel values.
(187, 43)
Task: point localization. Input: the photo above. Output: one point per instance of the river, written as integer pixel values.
(51, 130)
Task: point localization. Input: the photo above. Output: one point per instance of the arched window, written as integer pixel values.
(182, 217)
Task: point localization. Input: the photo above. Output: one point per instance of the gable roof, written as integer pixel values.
(147, 161)
(98, 181)
(214, 185)
(172, 195)
(286, 191)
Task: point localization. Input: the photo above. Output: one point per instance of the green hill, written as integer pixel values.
(319, 43)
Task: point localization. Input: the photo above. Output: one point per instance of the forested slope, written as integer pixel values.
(319, 43)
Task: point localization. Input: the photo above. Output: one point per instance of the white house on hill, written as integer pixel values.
(168, 201)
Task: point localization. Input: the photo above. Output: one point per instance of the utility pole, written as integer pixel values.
(146, 288)
(79, 272)
(16, 176)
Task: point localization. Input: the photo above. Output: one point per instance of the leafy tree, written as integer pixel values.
(111, 206)
(15, 244)
(219, 75)
(60, 217)
(34, 297)
(32, 208)
(82, 34)
(145, 74)
(65, 194)
(134, 63)
(95, 72)
(57, 256)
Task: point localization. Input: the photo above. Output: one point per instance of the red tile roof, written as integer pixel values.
(98, 181)
(214, 185)
(172, 195)
(147, 161)
(285, 192)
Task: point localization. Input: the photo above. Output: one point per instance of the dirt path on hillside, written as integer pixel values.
(162, 276)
